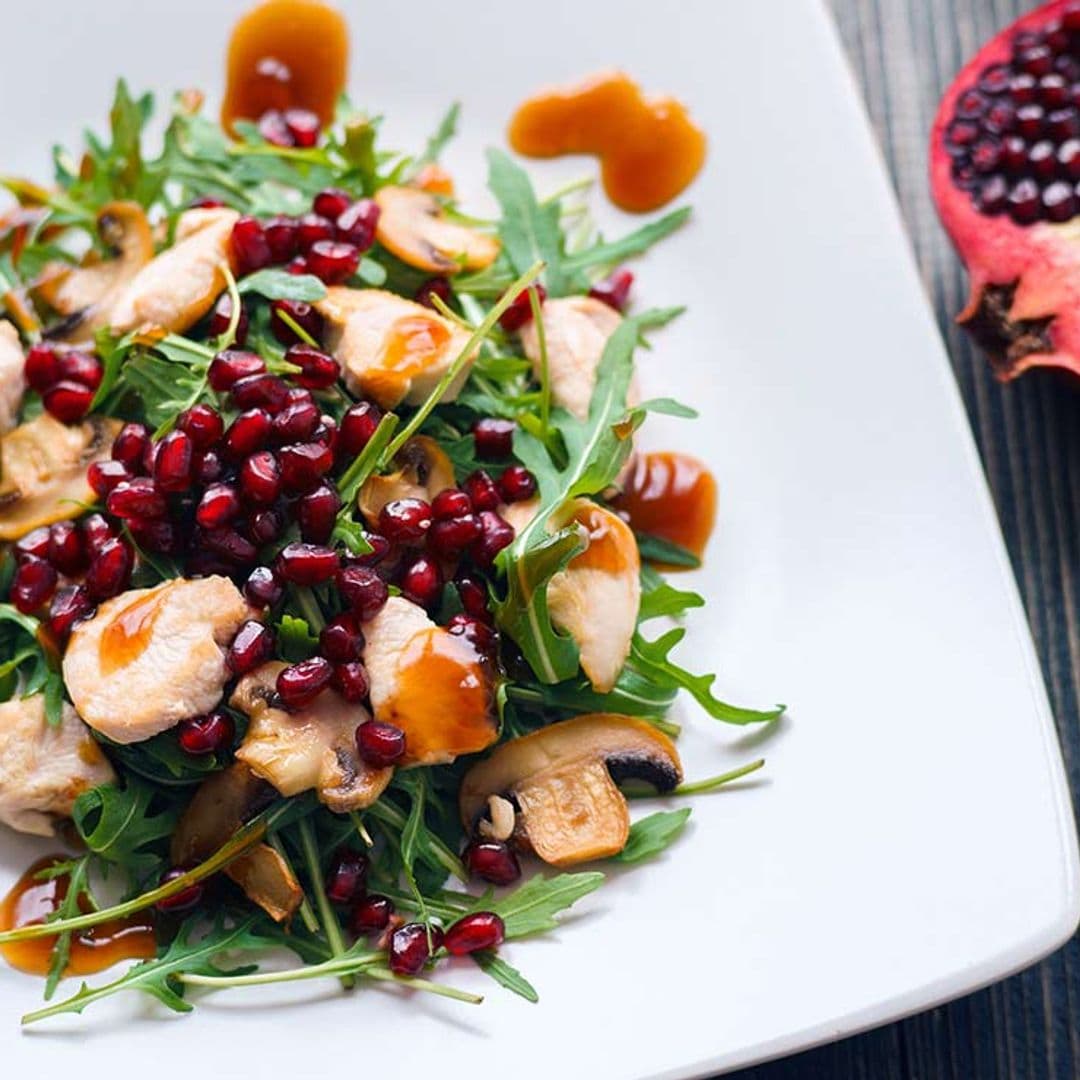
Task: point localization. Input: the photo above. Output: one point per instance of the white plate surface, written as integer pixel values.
(913, 838)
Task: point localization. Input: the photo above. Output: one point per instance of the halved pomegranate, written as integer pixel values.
(1004, 168)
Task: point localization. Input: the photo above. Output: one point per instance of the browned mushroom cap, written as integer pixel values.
(312, 748)
(563, 780)
(413, 226)
(43, 467)
(224, 803)
(421, 471)
(84, 295)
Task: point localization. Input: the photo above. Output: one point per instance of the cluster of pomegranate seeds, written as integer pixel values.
(471, 933)
(614, 290)
(347, 876)
(520, 310)
(290, 128)
(66, 379)
(210, 733)
(411, 947)
(327, 242)
(1015, 135)
(491, 860)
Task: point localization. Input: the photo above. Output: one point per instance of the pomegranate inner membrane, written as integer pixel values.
(1014, 137)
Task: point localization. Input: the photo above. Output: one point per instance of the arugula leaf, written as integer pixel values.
(650, 835)
(165, 388)
(76, 871)
(162, 761)
(437, 141)
(505, 975)
(294, 638)
(281, 285)
(531, 908)
(656, 549)
(25, 656)
(659, 597)
(609, 253)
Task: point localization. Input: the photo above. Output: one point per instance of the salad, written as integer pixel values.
(330, 609)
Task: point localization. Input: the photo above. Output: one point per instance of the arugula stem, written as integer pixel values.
(344, 965)
(582, 183)
(392, 816)
(305, 600)
(307, 915)
(448, 312)
(386, 975)
(235, 310)
(699, 787)
(329, 918)
(296, 328)
(366, 461)
(545, 375)
(245, 839)
(361, 828)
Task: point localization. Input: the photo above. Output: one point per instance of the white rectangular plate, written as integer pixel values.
(912, 838)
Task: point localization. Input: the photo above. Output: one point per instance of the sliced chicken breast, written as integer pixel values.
(44, 769)
(314, 748)
(430, 683)
(12, 380)
(150, 657)
(392, 349)
(596, 598)
(576, 329)
(179, 286)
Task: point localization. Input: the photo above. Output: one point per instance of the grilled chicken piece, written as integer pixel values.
(393, 350)
(179, 286)
(430, 683)
(150, 657)
(576, 329)
(43, 467)
(44, 769)
(312, 748)
(12, 381)
(596, 598)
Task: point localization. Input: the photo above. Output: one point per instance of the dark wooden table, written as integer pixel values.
(904, 53)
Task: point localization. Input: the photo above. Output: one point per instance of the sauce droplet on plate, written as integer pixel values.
(671, 496)
(32, 900)
(648, 146)
(286, 54)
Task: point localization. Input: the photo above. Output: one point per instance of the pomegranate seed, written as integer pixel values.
(300, 684)
(1013, 153)
(249, 432)
(32, 585)
(316, 513)
(478, 634)
(110, 570)
(371, 914)
(341, 639)
(296, 422)
(136, 498)
(311, 228)
(80, 368)
(1000, 118)
(471, 933)
(208, 467)
(1024, 202)
(202, 424)
(262, 588)
(207, 734)
(436, 286)
(298, 395)
(491, 860)
(297, 266)
(266, 526)
(68, 401)
(95, 530)
(303, 125)
(450, 503)
(495, 534)
(260, 478)
(1053, 90)
(263, 391)
(252, 646)
(474, 597)
(614, 290)
(273, 129)
(380, 548)
(347, 876)
(149, 457)
(317, 370)
(969, 106)
(482, 490)
(230, 366)
(221, 317)
(332, 261)
(380, 744)
(34, 544)
(517, 484)
(1036, 60)
(404, 520)
(301, 313)
(303, 465)
(1070, 17)
(992, 195)
(351, 681)
(230, 545)
(204, 563)
(356, 225)
(66, 550)
(103, 476)
(363, 590)
(422, 582)
(219, 505)
(306, 564)
(493, 437)
(184, 900)
(249, 246)
(449, 538)
(1030, 120)
(42, 367)
(172, 467)
(520, 310)
(331, 203)
(1058, 201)
(327, 433)
(68, 607)
(282, 237)
(409, 949)
(159, 536)
(985, 155)
(1068, 156)
(358, 425)
(1023, 88)
(205, 202)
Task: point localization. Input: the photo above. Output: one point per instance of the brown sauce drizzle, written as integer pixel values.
(128, 635)
(648, 146)
(671, 496)
(92, 950)
(286, 54)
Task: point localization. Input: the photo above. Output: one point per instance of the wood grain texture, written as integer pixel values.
(904, 53)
